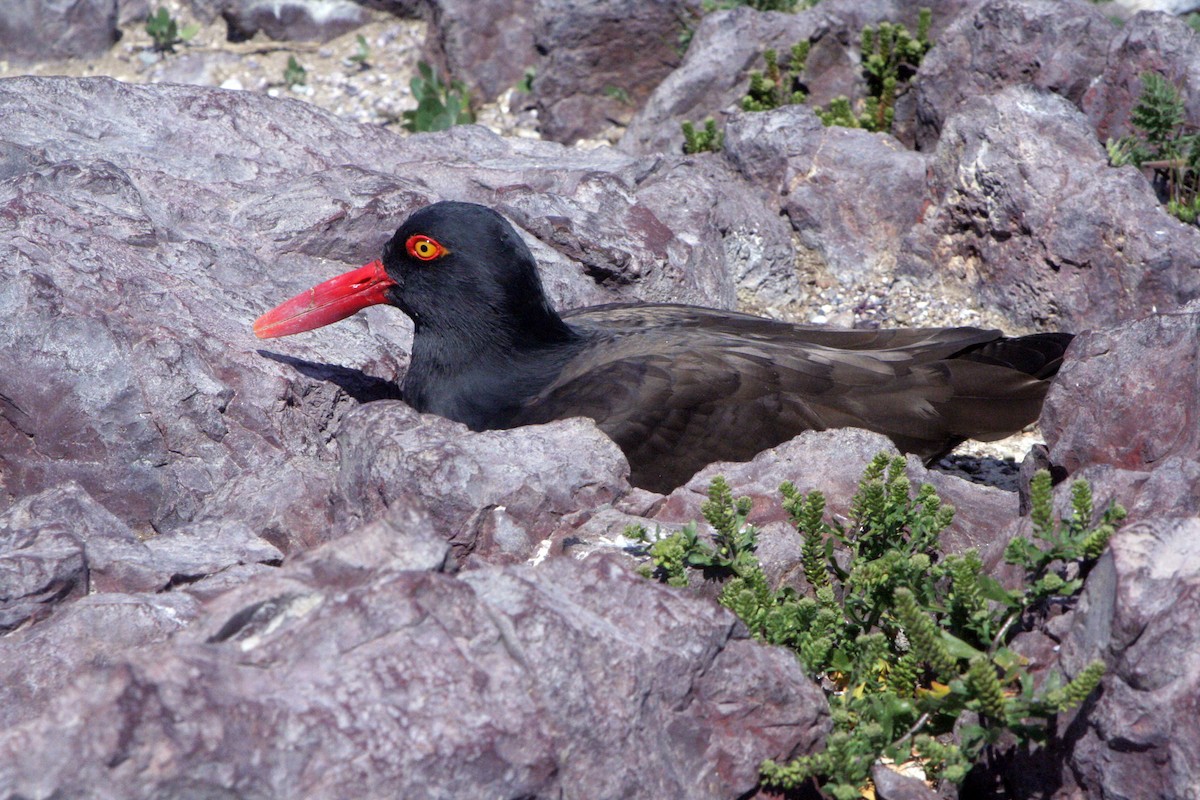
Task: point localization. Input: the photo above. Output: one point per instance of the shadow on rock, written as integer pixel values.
(362, 387)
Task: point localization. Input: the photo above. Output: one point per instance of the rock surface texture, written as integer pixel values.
(243, 568)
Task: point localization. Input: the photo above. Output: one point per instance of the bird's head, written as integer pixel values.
(450, 267)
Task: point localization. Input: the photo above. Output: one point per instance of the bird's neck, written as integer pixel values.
(479, 373)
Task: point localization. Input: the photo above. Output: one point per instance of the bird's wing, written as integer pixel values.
(674, 406)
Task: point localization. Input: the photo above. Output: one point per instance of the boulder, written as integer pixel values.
(292, 20)
(1029, 217)
(351, 676)
(36, 30)
(1122, 413)
(602, 60)
(1150, 42)
(1140, 614)
(1057, 46)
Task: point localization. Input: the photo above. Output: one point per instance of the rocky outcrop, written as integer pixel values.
(270, 577)
(1031, 218)
(33, 30)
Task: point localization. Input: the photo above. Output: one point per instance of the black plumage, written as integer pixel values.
(678, 387)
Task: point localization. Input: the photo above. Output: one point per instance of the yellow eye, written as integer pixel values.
(424, 248)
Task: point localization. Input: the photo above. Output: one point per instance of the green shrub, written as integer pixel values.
(1163, 145)
(439, 105)
(709, 139)
(776, 86)
(904, 637)
(890, 57)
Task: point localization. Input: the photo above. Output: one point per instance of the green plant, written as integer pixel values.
(362, 54)
(165, 31)
(525, 85)
(776, 86)
(294, 75)
(905, 638)
(1163, 144)
(732, 550)
(618, 94)
(439, 105)
(890, 57)
(709, 138)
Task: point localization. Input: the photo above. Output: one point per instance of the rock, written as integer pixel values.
(893, 785)
(487, 44)
(61, 543)
(495, 494)
(130, 11)
(83, 636)
(134, 274)
(1147, 43)
(1139, 615)
(851, 195)
(728, 45)
(1121, 413)
(415, 683)
(713, 76)
(1060, 47)
(1030, 218)
(290, 20)
(35, 30)
(602, 60)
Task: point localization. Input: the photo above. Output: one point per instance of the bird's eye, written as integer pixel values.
(424, 248)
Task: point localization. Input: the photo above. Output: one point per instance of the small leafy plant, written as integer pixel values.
(776, 86)
(732, 550)
(165, 31)
(698, 141)
(294, 74)
(1164, 144)
(890, 57)
(439, 105)
(905, 638)
(362, 53)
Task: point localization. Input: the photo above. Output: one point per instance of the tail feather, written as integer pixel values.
(1039, 355)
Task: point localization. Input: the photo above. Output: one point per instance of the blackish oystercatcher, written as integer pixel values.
(676, 387)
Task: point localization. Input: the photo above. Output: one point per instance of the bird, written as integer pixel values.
(677, 387)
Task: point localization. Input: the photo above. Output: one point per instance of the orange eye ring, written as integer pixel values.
(423, 248)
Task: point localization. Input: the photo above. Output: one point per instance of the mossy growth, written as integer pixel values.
(1164, 144)
(905, 638)
(440, 105)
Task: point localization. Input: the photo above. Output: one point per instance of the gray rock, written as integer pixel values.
(602, 61)
(37, 30)
(1057, 46)
(1148, 42)
(496, 494)
(135, 267)
(728, 45)
(851, 195)
(83, 636)
(1121, 413)
(1139, 615)
(1030, 218)
(487, 44)
(412, 683)
(304, 20)
(713, 76)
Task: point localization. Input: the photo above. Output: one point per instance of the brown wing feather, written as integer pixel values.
(678, 387)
